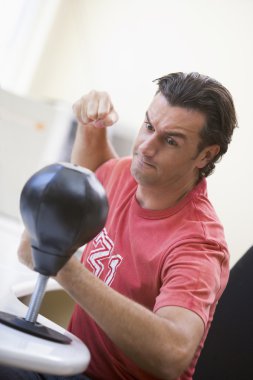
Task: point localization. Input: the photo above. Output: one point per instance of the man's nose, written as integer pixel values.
(149, 146)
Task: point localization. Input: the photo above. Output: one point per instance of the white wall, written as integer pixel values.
(122, 45)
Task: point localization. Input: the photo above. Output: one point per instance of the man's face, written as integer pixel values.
(165, 153)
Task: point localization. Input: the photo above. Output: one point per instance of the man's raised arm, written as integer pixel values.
(94, 112)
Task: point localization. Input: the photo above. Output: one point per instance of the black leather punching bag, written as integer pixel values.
(63, 206)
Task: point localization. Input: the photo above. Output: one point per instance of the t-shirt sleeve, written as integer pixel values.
(193, 276)
(104, 171)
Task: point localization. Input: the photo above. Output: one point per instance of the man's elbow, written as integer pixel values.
(171, 366)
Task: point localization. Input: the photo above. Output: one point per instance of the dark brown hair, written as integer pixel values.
(204, 94)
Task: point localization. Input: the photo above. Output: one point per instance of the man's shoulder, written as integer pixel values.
(115, 170)
(114, 165)
(123, 162)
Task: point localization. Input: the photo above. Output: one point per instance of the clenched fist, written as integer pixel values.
(95, 108)
(25, 251)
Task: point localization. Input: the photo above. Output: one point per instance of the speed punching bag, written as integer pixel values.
(63, 207)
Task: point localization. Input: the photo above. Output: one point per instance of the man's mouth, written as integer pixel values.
(144, 161)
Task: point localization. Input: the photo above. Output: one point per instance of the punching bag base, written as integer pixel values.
(33, 328)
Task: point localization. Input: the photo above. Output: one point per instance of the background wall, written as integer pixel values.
(122, 45)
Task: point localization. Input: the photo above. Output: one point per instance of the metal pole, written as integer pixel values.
(36, 298)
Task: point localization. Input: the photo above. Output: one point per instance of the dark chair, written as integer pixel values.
(228, 350)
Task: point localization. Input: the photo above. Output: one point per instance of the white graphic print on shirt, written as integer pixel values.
(101, 259)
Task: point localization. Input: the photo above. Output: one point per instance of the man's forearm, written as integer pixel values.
(152, 342)
(94, 113)
(91, 147)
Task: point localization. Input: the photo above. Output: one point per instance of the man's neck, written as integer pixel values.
(160, 199)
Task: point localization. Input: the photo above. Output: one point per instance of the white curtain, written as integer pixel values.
(24, 29)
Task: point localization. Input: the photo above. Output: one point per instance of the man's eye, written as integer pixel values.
(149, 127)
(171, 141)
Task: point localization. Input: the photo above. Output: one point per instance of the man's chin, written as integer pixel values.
(141, 178)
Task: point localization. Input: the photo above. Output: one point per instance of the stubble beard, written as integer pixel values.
(142, 178)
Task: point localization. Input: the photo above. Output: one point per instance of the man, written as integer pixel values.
(148, 284)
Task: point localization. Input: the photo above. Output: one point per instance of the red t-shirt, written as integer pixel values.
(177, 256)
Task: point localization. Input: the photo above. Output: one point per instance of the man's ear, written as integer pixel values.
(207, 155)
